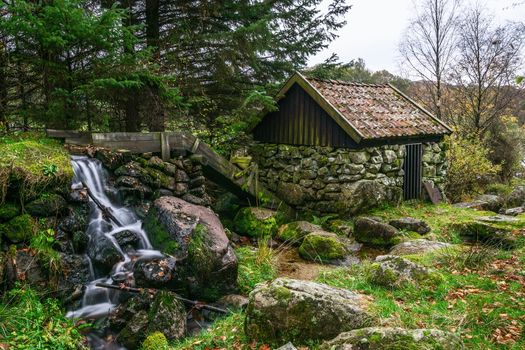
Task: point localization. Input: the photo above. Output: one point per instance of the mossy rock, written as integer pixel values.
(33, 164)
(293, 310)
(396, 272)
(256, 222)
(386, 338)
(487, 233)
(159, 237)
(155, 341)
(47, 205)
(294, 232)
(8, 211)
(375, 232)
(18, 229)
(322, 246)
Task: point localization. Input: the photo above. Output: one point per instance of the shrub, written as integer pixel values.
(469, 167)
(506, 140)
(155, 341)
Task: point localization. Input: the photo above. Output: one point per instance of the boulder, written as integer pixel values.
(78, 196)
(196, 237)
(75, 273)
(293, 194)
(395, 272)
(292, 310)
(294, 232)
(256, 222)
(486, 232)
(410, 224)
(373, 231)
(386, 338)
(517, 197)
(491, 202)
(157, 273)
(46, 206)
(476, 205)
(417, 246)
(103, 252)
(76, 220)
(140, 316)
(514, 211)
(24, 266)
(8, 211)
(287, 346)
(18, 229)
(127, 239)
(80, 241)
(322, 246)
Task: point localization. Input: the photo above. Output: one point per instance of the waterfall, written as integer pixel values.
(97, 302)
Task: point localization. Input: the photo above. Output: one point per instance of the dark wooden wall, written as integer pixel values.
(301, 121)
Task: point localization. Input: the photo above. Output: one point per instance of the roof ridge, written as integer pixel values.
(344, 82)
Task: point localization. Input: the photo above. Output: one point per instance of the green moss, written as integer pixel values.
(256, 222)
(155, 341)
(47, 205)
(32, 163)
(294, 232)
(159, 237)
(8, 211)
(19, 229)
(321, 247)
(282, 293)
(405, 236)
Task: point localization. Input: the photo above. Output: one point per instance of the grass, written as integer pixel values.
(226, 333)
(481, 298)
(32, 324)
(486, 307)
(33, 163)
(256, 265)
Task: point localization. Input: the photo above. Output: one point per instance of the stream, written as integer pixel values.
(97, 302)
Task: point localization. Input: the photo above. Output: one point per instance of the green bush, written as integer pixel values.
(27, 323)
(469, 167)
(155, 341)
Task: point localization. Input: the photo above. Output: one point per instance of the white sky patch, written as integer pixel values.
(375, 28)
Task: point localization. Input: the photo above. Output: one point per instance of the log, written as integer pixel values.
(197, 304)
(105, 210)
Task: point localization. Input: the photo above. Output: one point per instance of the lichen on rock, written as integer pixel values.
(386, 338)
(293, 310)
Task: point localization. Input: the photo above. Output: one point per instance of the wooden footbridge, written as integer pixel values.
(243, 183)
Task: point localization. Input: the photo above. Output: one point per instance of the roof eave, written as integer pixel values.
(330, 109)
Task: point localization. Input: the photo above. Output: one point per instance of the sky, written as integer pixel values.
(375, 28)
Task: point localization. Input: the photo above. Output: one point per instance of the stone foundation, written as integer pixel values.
(341, 180)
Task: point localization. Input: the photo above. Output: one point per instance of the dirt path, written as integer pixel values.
(291, 265)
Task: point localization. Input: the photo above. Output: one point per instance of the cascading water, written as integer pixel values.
(97, 302)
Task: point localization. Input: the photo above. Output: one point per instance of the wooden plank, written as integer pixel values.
(215, 165)
(165, 146)
(127, 136)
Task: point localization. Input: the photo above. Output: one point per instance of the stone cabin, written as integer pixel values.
(340, 147)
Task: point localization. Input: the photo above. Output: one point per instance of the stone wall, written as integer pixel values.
(141, 179)
(340, 180)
